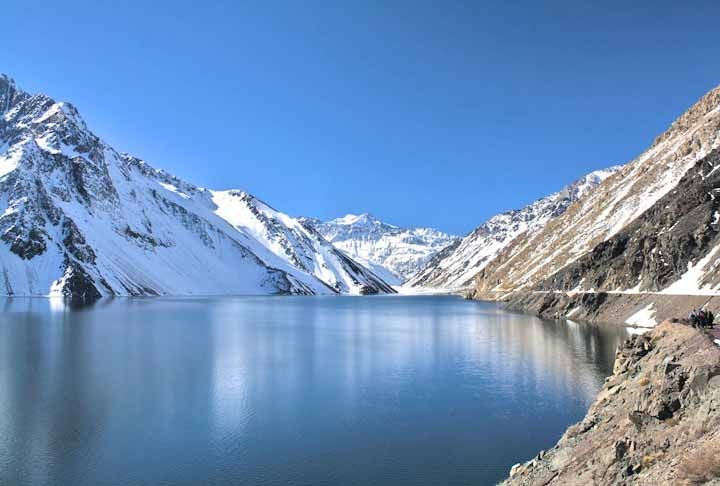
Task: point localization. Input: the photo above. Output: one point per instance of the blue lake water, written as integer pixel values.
(287, 391)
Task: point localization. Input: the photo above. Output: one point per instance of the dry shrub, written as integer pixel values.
(702, 464)
(651, 459)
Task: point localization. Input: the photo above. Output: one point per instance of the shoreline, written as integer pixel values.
(653, 422)
(591, 452)
(627, 309)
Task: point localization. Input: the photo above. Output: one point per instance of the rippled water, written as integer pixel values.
(286, 391)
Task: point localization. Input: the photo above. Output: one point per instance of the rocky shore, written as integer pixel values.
(600, 307)
(656, 420)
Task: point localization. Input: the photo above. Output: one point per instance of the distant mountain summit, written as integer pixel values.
(81, 220)
(390, 251)
(456, 266)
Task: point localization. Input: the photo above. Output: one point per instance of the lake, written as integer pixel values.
(287, 391)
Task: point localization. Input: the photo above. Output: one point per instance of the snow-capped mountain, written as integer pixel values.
(456, 266)
(296, 242)
(81, 220)
(392, 252)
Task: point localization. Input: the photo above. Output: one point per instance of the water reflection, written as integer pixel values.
(401, 390)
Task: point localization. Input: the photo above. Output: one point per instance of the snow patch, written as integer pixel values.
(174, 189)
(690, 282)
(573, 312)
(645, 317)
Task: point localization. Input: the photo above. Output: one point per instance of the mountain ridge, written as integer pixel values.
(643, 245)
(455, 268)
(640, 184)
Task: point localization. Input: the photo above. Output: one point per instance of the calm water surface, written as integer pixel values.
(286, 391)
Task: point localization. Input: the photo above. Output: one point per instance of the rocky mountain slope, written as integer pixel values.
(654, 250)
(83, 221)
(654, 422)
(651, 230)
(620, 201)
(393, 253)
(456, 266)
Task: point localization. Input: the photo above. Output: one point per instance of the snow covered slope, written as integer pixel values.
(392, 252)
(81, 220)
(456, 266)
(592, 223)
(296, 242)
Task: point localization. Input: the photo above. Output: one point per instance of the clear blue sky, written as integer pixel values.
(423, 113)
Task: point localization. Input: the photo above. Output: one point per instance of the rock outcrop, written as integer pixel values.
(656, 420)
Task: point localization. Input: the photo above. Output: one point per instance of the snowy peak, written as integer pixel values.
(352, 218)
(294, 242)
(360, 220)
(390, 251)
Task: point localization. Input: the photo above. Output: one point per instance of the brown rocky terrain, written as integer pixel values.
(656, 421)
(602, 307)
(534, 258)
(645, 243)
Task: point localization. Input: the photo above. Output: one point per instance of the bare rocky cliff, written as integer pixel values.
(656, 420)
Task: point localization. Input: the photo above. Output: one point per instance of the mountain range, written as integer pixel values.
(391, 252)
(82, 220)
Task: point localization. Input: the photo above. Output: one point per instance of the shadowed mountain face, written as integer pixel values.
(81, 220)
